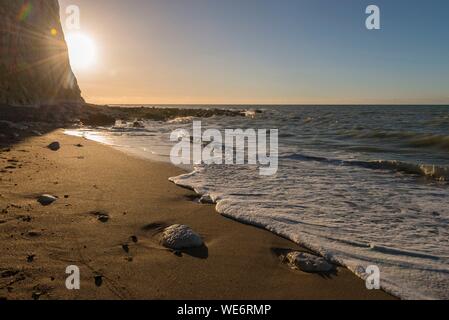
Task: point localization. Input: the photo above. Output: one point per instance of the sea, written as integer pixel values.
(359, 185)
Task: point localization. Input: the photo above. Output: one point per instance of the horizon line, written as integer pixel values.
(277, 104)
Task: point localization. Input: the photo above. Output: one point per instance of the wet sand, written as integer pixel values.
(119, 254)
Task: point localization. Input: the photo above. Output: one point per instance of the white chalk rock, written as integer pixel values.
(46, 199)
(178, 237)
(307, 262)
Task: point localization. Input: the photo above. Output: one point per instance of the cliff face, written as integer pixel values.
(34, 62)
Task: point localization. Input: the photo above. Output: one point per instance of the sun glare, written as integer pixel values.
(82, 51)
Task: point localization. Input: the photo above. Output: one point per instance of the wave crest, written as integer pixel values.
(438, 173)
(411, 139)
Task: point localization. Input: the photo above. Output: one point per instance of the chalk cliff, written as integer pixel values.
(34, 62)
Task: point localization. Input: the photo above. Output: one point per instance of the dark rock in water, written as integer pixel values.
(134, 239)
(97, 118)
(31, 38)
(307, 262)
(179, 237)
(46, 199)
(138, 124)
(207, 199)
(54, 146)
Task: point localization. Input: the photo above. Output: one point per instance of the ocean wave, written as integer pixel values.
(438, 173)
(399, 252)
(181, 120)
(407, 138)
(249, 113)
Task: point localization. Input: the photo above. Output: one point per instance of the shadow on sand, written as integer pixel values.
(200, 252)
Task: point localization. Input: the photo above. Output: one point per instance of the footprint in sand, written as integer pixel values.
(40, 290)
(33, 234)
(8, 273)
(100, 215)
(125, 248)
(24, 218)
(98, 280)
(155, 227)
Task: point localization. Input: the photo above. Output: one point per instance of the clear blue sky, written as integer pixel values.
(266, 51)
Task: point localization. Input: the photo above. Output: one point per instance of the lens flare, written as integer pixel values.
(24, 11)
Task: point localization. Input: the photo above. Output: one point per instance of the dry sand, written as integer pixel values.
(37, 243)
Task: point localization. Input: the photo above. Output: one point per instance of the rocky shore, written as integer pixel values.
(21, 122)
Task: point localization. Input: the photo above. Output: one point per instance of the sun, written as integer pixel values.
(82, 51)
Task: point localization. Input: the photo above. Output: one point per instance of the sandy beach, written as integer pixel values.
(222, 150)
(120, 256)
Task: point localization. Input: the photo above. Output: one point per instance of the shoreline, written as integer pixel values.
(136, 195)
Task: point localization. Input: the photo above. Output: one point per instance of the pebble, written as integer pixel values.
(46, 199)
(307, 262)
(54, 146)
(178, 237)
